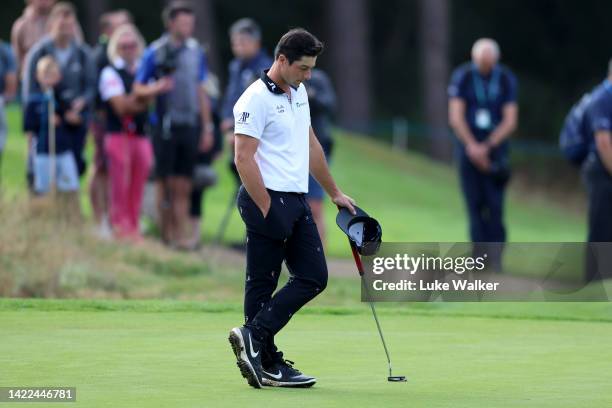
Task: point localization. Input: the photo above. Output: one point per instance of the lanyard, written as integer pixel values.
(483, 97)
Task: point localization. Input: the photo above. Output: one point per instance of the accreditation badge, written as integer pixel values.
(483, 119)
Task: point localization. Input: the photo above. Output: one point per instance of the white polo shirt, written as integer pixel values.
(281, 124)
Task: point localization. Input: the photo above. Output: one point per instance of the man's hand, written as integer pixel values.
(229, 138)
(227, 128)
(342, 200)
(265, 207)
(478, 153)
(227, 125)
(73, 117)
(78, 104)
(206, 140)
(163, 85)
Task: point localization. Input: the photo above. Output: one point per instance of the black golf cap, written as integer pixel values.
(364, 231)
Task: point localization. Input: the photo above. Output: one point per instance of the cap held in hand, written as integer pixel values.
(363, 231)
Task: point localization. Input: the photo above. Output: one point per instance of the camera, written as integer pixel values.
(167, 61)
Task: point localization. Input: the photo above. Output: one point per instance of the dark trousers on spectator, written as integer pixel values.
(599, 188)
(484, 199)
(79, 137)
(288, 233)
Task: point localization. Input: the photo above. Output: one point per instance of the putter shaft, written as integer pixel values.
(363, 285)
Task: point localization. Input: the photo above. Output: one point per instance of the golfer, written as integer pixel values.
(275, 148)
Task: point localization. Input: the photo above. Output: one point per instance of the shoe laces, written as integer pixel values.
(290, 364)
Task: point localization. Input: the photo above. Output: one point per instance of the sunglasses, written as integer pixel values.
(128, 46)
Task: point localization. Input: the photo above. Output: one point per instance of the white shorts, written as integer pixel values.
(66, 173)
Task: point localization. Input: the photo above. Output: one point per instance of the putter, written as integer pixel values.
(357, 239)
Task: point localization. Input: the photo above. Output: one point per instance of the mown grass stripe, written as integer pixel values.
(167, 306)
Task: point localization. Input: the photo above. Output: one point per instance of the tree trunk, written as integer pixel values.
(205, 31)
(93, 11)
(349, 60)
(434, 46)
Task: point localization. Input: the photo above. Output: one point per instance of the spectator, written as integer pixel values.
(78, 72)
(246, 67)
(98, 187)
(54, 163)
(31, 27)
(8, 88)
(483, 113)
(322, 101)
(204, 175)
(173, 70)
(127, 148)
(597, 173)
(250, 60)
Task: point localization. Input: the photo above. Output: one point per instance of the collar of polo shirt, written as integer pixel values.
(271, 85)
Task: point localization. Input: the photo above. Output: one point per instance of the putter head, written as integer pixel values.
(396, 378)
(364, 231)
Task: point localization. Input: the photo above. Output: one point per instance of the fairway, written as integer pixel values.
(132, 356)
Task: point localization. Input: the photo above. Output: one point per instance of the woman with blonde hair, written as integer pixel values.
(128, 149)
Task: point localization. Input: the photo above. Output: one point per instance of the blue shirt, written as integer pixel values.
(241, 75)
(7, 63)
(599, 111)
(182, 103)
(36, 120)
(489, 93)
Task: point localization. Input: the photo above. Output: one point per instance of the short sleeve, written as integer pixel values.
(249, 116)
(146, 71)
(511, 91)
(110, 84)
(456, 87)
(601, 115)
(9, 57)
(203, 69)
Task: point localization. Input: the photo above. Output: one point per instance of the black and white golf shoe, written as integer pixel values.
(282, 374)
(248, 355)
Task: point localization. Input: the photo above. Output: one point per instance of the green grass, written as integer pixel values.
(149, 353)
(415, 199)
(160, 354)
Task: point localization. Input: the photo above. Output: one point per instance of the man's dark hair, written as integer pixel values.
(246, 26)
(174, 9)
(105, 18)
(297, 43)
(62, 8)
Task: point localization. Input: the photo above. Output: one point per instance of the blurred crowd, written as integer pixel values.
(157, 116)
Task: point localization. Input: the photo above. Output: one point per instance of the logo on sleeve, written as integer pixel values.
(243, 117)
